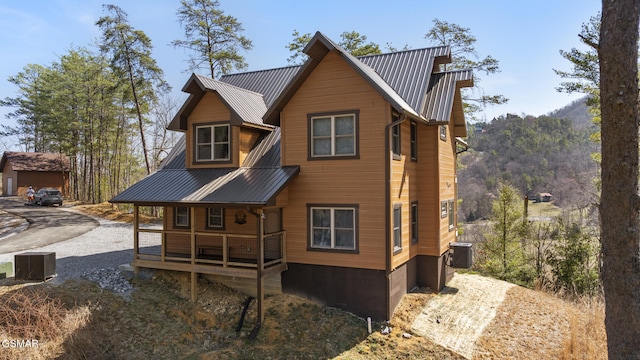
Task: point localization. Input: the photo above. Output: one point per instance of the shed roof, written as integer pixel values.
(32, 161)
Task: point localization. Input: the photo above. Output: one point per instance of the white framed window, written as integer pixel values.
(451, 216)
(333, 228)
(215, 218)
(212, 142)
(397, 228)
(332, 135)
(181, 217)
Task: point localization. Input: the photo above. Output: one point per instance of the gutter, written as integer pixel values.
(387, 197)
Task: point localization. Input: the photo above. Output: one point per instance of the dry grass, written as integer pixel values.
(40, 322)
(111, 212)
(534, 325)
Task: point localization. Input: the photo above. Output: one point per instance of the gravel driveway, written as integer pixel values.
(105, 247)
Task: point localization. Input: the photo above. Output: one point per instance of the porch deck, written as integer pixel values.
(209, 253)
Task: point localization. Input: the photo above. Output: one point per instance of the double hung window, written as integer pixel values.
(333, 227)
(215, 218)
(397, 228)
(212, 142)
(332, 135)
(181, 217)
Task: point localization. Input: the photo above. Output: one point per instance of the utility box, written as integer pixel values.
(462, 257)
(35, 265)
(6, 269)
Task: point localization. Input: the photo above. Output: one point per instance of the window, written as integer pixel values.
(395, 138)
(443, 133)
(414, 222)
(212, 143)
(414, 141)
(181, 217)
(215, 218)
(443, 209)
(333, 227)
(451, 217)
(333, 135)
(397, 228)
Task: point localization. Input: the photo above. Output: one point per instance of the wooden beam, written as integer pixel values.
(136, 239)
(260, 265)
(194, 275)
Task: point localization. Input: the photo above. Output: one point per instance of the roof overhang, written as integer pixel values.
(214, 187)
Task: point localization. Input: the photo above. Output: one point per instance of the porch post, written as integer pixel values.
(136, 239)
(260, 264)
(194, 275)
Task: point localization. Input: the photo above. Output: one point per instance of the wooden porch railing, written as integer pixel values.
(223, 250)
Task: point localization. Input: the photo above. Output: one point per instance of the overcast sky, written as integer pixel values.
(525, 36)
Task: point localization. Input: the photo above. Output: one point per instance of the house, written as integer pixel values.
(23, 169)
(340, 174)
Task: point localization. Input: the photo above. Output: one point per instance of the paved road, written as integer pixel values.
(47, 225)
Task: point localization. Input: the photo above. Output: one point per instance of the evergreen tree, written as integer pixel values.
(130, 51)
(464, 56)
(351, 41)
(502, 253)
(213, 38)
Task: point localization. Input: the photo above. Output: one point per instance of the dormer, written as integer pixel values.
(221, 123)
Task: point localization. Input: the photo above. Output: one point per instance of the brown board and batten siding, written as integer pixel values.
(335, 87)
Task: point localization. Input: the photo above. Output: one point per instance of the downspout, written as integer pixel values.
(259, 214)
(387, 208)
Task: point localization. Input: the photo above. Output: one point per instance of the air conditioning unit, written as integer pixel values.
(461, 255)
(6, 269)
(35, 265)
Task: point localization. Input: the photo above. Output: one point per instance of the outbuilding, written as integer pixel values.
(23, 169)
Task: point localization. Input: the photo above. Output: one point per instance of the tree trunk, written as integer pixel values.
(619, 205)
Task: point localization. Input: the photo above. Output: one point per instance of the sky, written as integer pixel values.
(524, 36)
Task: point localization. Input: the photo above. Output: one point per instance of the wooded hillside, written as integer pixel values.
(536, 155)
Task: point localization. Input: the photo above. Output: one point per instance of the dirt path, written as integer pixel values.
(457, 316)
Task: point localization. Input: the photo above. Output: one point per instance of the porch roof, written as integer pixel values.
(229, 186)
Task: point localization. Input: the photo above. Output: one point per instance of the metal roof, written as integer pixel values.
(269, 83)
(317, 48)
(407, 72)
(257, 182)
(228, 186)
(441, 93)
(32, 161)
(246, 107)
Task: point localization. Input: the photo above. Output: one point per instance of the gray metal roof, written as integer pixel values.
(257, 182)
(246, 107)
(407, 72)
(441, 93)
(269, 83)
(317, 48)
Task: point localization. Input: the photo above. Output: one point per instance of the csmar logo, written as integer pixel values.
(18, 343)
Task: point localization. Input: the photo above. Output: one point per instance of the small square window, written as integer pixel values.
(333, 228)
(212, 143)
(333, 135)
